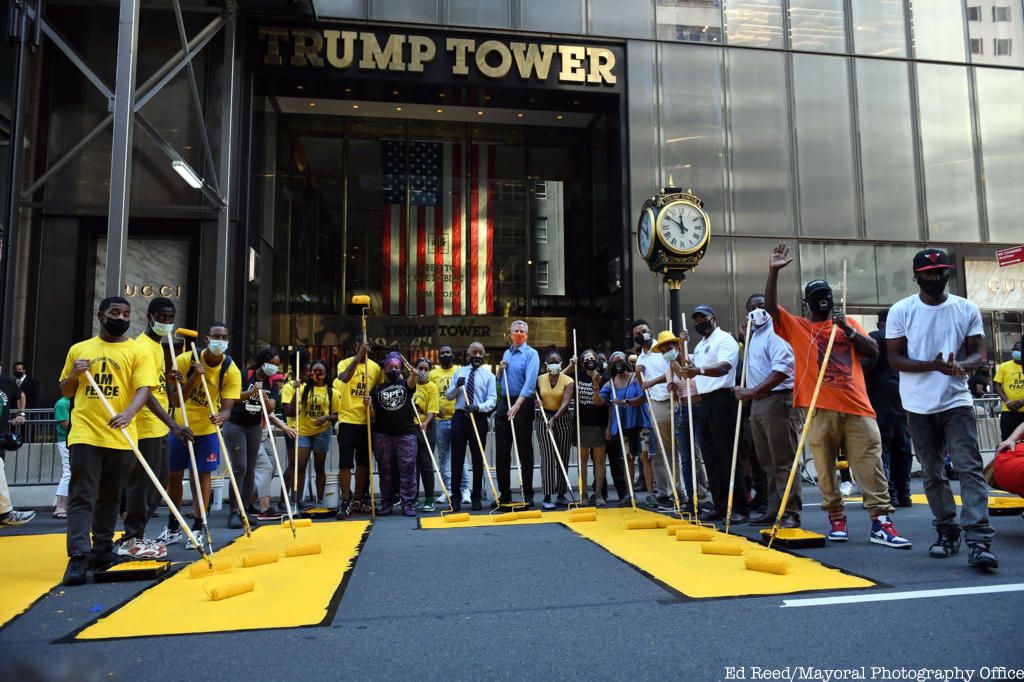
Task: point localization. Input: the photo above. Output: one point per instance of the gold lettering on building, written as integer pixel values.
(150, 290)
(493, 58)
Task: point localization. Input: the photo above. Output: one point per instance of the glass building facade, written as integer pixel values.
(405, 150)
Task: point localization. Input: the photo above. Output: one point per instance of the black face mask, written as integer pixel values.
(447, 360)
(590, 364)
(823, 304)
(618, 367)
(393, 374)
(476, 361)
(934, 287)
(19, 373)
(115, 326)
(704, 328)
(642, 339)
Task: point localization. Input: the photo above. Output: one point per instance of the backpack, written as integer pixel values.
(224, 366)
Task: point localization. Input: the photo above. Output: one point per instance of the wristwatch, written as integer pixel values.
(701, 370)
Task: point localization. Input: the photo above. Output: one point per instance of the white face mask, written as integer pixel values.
(554, 367)
(759, 317)
(671, 355)
(218, 347)
(269, 370)
(162, 329)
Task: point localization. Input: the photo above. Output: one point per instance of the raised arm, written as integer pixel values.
(780, 258)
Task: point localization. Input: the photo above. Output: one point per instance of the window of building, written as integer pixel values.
(1001, 13)
(696, 21)
(974, 13)
(1000, 98)
(542, 274)
(540, 189)
(938, 30)
(977, 46)
(879, 27)
(1001, 47)
(540, 230)
(1005, 31)
(754, 23)
(817, 25)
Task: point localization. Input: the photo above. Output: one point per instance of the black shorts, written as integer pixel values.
(352, 445)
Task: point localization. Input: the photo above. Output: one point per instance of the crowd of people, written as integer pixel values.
(658, 414)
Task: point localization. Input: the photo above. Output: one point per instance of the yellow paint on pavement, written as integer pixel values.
(291, 592)
(681, 565)
(34, 565)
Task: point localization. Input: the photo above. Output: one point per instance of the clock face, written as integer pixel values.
(683, 227)
(645, 233)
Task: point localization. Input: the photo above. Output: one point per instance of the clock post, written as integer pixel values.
(672, 236)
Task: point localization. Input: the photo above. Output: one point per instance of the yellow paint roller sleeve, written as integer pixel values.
(352, 409)
(195, 397)
(314, 402)
(442, 378)
(119, 369)
(148, 424)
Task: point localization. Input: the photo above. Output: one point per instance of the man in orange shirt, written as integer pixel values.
(843, 419)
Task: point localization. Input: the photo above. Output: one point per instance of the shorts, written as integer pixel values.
(352, 445)
(639, 440)
(591, 436)
(321, 442)
(207, 450)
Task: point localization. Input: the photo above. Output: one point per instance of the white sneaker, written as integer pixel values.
(198, 533)
(846, 488)
(169, 537)
(133, 548)
(16, 518)
(441, 499)
(466, 499)
(161, 551)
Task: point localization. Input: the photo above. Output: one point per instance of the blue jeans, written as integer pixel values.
(443, 450)
(683, 443)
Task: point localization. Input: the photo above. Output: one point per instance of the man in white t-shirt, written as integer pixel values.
(934, 340)
(714, 362)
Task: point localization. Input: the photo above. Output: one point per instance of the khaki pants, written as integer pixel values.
(859, 438)
(775, 425)
(5, 494)
(662, 420)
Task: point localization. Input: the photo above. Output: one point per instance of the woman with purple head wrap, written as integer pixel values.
(394, 434)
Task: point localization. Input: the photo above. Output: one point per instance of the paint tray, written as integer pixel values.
(1005, 506)
(793, 538)
(132, 570)
(319, 513)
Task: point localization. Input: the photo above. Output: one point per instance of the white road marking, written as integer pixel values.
(894, 596)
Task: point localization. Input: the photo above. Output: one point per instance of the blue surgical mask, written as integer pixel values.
(554, 367)
(671, 355)
(218, 347)
(1016, 356)
(162, 329)
(269, 370)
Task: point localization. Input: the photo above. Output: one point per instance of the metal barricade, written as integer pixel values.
(37, 461)
(986, 416)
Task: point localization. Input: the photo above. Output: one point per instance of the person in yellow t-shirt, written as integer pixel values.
(555, 390)
(356, 379)
(1009, 384)
(153, 424)
(315, 406)
(225, 385)
(100, 455)
(442, 378)
(428, 402)
(286, 396)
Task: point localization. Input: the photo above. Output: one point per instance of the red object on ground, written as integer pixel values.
(1008, 470)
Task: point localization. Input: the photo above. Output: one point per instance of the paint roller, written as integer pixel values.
(641, 524)
(192, 458)
(723, 548)
(574, 504)
(224, 588)
(298, 523)
(220, 436)
(250, 559)
(363, 301)
(739, 422)
(671, 528)
(694, 535)
(803, 437)
(294, 548)
(765, 562)
(528, 514)
(449, 516)
(515, 440)
(218, 564)
(583, 515)
(207, 559)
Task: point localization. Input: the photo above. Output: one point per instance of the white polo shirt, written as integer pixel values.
(719, 347)
(655, 365)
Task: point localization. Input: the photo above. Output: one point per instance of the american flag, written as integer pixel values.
(438, 252)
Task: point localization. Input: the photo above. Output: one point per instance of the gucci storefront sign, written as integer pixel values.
(993, 287)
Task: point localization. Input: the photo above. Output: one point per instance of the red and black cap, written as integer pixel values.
(931, 259)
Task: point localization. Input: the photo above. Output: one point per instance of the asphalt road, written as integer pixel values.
(540, 602)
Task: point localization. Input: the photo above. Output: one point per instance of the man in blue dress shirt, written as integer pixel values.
(476, 380)
(520, 367)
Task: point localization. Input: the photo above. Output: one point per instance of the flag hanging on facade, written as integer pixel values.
(437, 249)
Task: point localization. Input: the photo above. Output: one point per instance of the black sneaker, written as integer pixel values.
(626, 501)
(101, 561)
(75, 573)
(666, 504)
(342, 510)
(234, 521)
(947, 544)
(476, 505)
(980, 556)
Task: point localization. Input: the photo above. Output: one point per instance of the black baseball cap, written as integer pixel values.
(814, 286)
(931, 259)
(704, 310)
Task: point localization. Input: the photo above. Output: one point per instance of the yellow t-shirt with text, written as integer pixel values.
(1011, 376)
(426, 399)
(148, 424)
(313, 405)
(442, 378)
(285, 397)
(120, 370)
(353, 411)
(195, 401)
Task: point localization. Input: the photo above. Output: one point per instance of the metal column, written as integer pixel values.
(121, 151)
(229, 105)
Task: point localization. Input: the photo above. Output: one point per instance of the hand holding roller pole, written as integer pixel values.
(515, 439)
(194, 468)
(736, 435)
(430, 451)
(561, 462)
(480, 445)
(622, 444)
(363, 301)
(277, 464)
(661, 443)
(149, 472)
